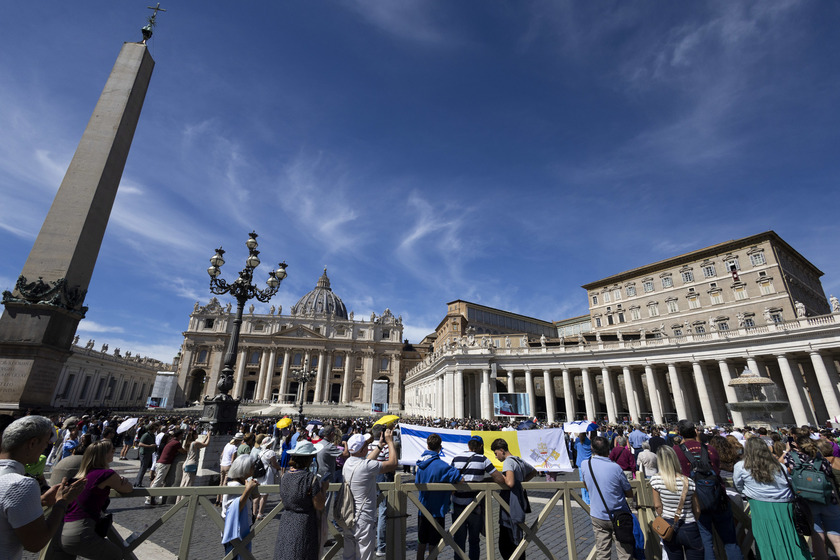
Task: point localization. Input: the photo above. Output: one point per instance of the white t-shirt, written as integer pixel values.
(362, 477)
(20, 504)
(265, 455)
(228, 454)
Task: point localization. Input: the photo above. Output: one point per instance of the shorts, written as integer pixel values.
(826, 517)
(426, 532)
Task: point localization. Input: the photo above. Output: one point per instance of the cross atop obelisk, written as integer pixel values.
(42, 312)
(151, 22)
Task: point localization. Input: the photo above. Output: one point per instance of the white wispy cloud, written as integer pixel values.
(88, 326)
(418, 21)
(316, 194)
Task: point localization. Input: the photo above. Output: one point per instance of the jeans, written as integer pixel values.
(145, 463)
(583, 491)
(506, 543)
(723, 523)
(471, 527)
(686, 544)
(382, 521)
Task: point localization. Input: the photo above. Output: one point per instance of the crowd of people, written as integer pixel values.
(696, 475)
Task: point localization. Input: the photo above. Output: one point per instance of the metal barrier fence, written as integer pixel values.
(561, 495)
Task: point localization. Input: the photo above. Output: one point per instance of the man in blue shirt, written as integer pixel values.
(636, 438)
(615, 490)
(431, 468)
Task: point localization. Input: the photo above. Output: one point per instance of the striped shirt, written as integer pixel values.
(474, 467)
(670, 500)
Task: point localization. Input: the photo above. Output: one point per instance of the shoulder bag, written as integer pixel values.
(661, 526)
(622, 520)
(803, 519)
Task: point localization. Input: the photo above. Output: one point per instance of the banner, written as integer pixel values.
(545, 450)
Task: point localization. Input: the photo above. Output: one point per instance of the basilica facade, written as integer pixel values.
(345, 354)
(661, 342)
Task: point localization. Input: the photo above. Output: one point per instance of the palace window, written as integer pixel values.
(386, 334)
(776, 317)
(672, 306)
(606, 297)
(766, 287)
(667, 282)
(648, 285)
(259, 326)
(383, 364)
(208, 323)
(594, 300)
(340, 331)
(631, 291)
(653, 309)
(757, 259)
(314, 361)
(597, 322)
(717, 297)
(723, 326)
(298, 359)
(709, 271)
(202, 356)
(83, 392)
(339, 361)
(254, 357)
(693, 301)
(732, 264)
(621, 317)
(358, 362)
(699, 329)
(749, 322)
(616, 295)
(678, 332)
(635, 314)
(687, 276)
(740, 292)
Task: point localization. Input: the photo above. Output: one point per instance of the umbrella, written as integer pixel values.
(593, 427)
(127, 425)
(313, 425)
(284, 423)
(388, 420)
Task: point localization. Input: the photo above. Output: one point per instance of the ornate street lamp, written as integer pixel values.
(220, 411)
(303, 377)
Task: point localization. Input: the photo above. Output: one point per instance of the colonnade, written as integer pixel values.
(274, 373)
(617, 388)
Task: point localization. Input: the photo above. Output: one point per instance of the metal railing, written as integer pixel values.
(565, 495)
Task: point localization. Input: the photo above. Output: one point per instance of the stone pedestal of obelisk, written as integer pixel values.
(46, 305)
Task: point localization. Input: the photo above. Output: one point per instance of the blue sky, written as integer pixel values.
(499, 152)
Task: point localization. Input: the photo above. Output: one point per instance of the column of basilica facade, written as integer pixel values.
(345, 354)
(637, 379)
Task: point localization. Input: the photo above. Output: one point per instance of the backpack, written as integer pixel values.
(344, 506)
(259, 467)
(808, 481)
(707, 484)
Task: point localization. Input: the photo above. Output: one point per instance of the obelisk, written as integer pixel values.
(42, 312)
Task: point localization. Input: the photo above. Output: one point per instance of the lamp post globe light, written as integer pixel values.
(220, 411)
(303, 377)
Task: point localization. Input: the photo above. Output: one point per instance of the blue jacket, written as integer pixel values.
(431, 468)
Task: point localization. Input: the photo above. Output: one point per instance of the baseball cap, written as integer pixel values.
(356, 442)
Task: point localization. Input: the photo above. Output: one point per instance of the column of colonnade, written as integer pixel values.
(680, 388)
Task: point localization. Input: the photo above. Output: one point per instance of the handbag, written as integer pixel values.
(622, 520)
(661, 526)
(103, 524)
(803, 519)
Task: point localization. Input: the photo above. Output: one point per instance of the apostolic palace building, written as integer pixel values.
(660, 342)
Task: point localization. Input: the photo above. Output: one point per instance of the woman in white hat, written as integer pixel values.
(303, 497)
(265, 454)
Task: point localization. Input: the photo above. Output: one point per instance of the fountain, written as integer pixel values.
(757, 398)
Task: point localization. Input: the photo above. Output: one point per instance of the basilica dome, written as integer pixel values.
(321, 301)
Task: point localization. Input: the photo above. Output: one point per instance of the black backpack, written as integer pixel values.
(259, 467)
(708, 486)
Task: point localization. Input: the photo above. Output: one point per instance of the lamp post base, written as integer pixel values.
(220, 413)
